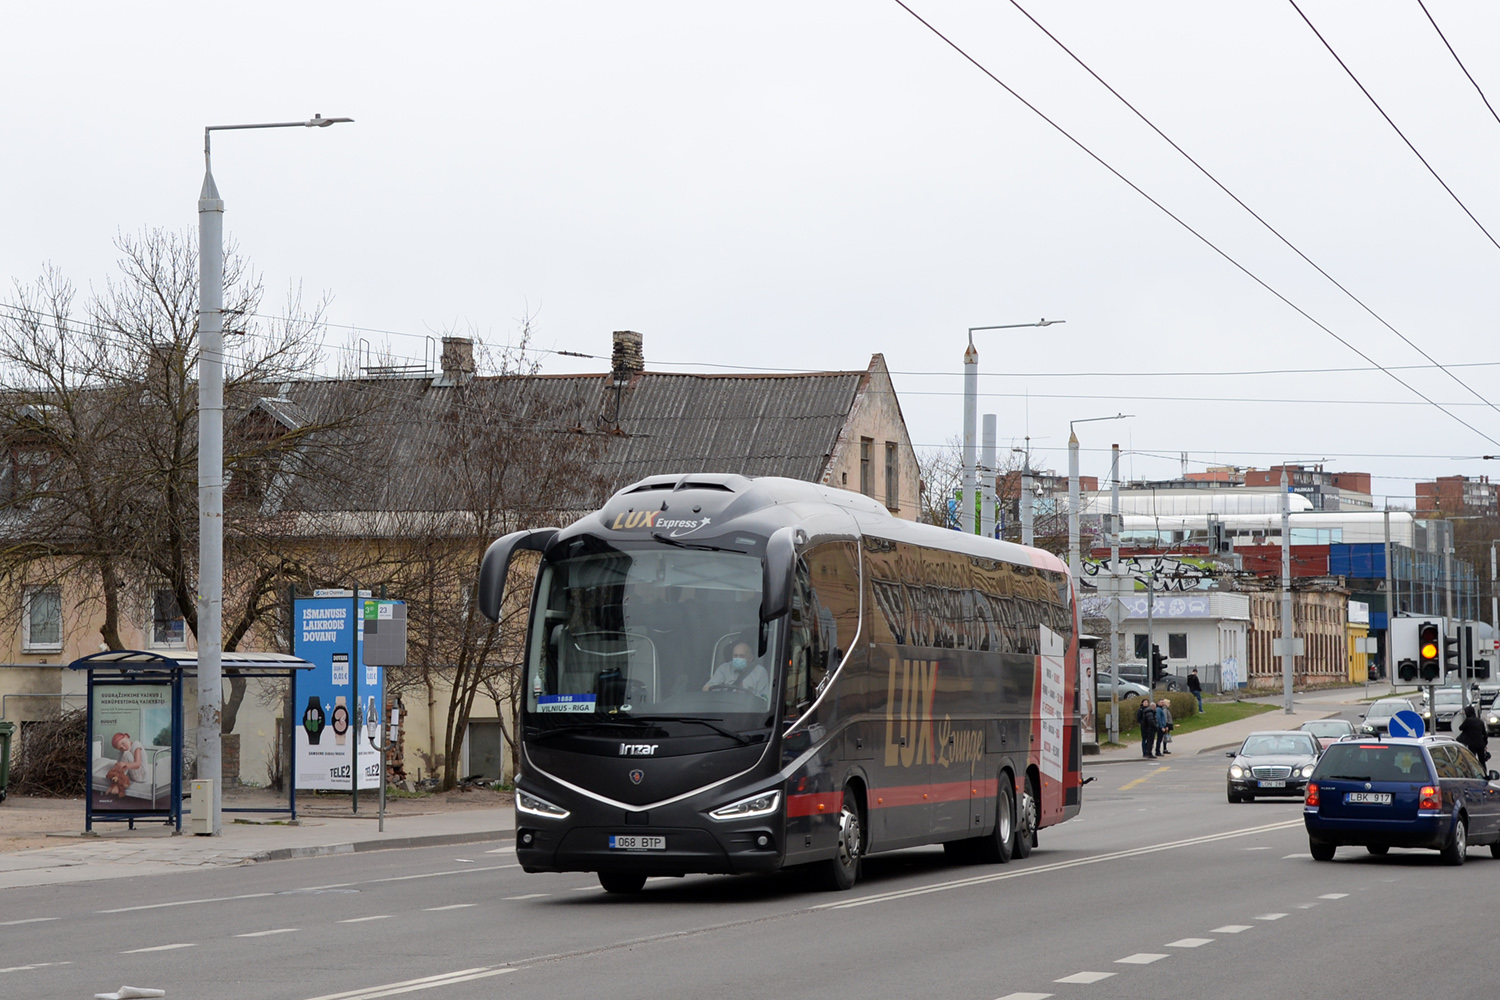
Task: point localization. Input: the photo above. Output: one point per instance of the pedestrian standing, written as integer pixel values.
(1472, 734)
(1195, 688)
(1163, 726)
(1146, 716)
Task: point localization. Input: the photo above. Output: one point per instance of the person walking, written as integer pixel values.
(1472, 734)
(1195, 688)
(1163, 726)
(1146, 716)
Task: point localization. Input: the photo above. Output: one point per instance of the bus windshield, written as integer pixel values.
(652, 633)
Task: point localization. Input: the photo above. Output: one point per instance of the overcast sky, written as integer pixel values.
(800, 184)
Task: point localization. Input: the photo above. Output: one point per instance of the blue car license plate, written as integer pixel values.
(1368, 798)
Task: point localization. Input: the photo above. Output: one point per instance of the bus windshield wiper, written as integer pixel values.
(710, 723)
(693, 545)
(585, 727)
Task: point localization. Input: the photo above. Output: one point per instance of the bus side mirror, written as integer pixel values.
(776, 574)
(496, 562)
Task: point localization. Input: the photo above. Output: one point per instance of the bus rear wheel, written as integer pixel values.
(1027, 820)
(841, 871)
(621, 882)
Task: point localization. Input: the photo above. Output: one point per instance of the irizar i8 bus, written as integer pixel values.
(725, 674)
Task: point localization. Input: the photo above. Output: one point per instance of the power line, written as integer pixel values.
(1181, 222)
(1460, 62)
(1253, 214)
(1435, 175)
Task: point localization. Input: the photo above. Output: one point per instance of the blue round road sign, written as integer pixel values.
(1407, 723)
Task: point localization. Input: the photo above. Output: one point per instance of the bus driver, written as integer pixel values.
(740, 673)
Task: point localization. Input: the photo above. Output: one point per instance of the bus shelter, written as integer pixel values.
(136, 727)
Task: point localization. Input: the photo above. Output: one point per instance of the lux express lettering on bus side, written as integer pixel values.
(653, 519)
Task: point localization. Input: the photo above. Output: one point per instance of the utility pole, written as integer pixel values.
(1288, 640)
(1027, 499)
(1390, 610)
(1075, 558)
(1117, 635)
(987, 479)
(971, 408)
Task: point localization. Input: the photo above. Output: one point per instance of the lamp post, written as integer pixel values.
(971, 406)
(210, 632)
(1075, 559)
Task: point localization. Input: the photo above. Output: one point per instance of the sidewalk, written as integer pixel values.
(149, 850)
(1308, 706)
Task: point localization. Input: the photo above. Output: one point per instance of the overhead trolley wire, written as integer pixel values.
(1460, 62)
(1243, 269)
(1409, 145)
(1253, 213)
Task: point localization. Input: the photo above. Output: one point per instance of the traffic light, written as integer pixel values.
(1451, 659)
(1158, 664)
(1406, 670)
(1429, 649)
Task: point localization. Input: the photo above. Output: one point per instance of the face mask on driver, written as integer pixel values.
(739, 663)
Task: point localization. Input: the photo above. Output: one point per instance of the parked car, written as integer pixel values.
(1126, 688)
(1378, 718)
(1491, 717)
(1271, 763)
(1136, 673)
(1429, 793)
(1327, 731)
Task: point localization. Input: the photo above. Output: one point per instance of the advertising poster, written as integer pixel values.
(130, 748)
(335, 697)
(1088, 688)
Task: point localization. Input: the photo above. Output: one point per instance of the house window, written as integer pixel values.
(1142, 646)
(1177, 645)
(892, 476)
(866, 473)
(41, 624)
(168, 628)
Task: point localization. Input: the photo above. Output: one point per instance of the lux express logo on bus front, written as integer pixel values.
(653, 519)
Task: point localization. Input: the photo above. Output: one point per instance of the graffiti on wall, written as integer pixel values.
(1170, 574)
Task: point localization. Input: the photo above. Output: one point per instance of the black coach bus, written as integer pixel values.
(725, 674)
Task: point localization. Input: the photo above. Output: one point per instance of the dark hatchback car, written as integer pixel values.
(1271, 763)
(1427, 793)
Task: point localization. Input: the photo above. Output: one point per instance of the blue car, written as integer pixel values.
(1427, 793)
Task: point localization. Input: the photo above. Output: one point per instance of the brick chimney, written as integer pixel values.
(458, 359)
(627, 358)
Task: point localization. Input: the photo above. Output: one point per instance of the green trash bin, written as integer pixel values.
(6, 729)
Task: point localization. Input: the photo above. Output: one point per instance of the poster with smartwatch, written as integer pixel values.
(332, 752)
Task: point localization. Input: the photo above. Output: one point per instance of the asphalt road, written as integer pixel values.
(1160, 890)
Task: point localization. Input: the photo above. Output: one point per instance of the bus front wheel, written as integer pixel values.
(842, 870)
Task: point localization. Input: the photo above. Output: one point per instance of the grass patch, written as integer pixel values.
(1216, 713)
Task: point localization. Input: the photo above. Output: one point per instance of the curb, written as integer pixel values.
(391, 844)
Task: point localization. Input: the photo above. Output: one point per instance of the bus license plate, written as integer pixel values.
(1369, 798)
(1273, 784)
(632, 842)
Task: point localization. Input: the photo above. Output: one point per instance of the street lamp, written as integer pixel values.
(1075, 560)
(971, 406)
(211, 462)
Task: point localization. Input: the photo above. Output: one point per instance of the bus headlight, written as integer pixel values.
(763, 804)
(531, 805)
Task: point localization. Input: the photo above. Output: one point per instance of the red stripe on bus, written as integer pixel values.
(814, 804)
(947, 791)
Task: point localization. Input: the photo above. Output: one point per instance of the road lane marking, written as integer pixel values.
(279, 930)
(1306, 906)
(1026, 996)
(502, 850)
(1334, 895)
(28, 920)
(1190, 942)
(1231, 929)
(450, 906)
(964, 883)
(38, 965)
(529, 895)
(1293, 857)
(188, 902)
(1270, 916)
(361, 920)
(1257, 848)
(1085, 977)
(463, 861)
(1140, 958)
(1145, 777)
(413, 985)
(160, 947)
(586, 888)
